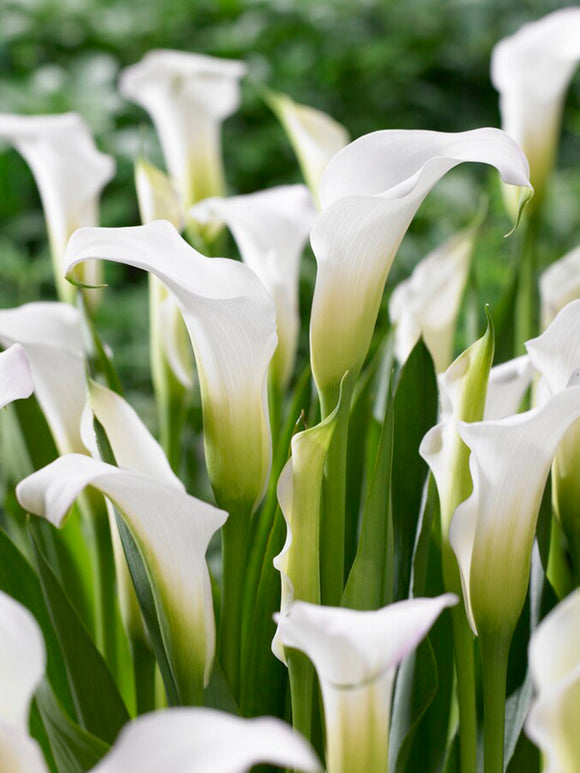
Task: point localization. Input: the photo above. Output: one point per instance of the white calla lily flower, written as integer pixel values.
(231, 322)
(559, 285)
(506, 387)
(188, 96)
(51, 335)
(315, 136)
(22, 666)
(270, 228)
(370, 192)
(15, 377)
(531, 71)
(356, 655)
(427, 303)
(554, 658)
(70, 173)
(172, 531)
(492, 532)
(181, 740)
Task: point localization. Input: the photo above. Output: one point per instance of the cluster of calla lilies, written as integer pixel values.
(356, 496)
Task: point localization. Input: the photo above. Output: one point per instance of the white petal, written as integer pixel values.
(349, 647)
(15, 377)
(157, 197)
(554, 651)
(182, 740)
(370, 192)
(556, 353)
(559, 284)
(231, 321)
(22, 662)
(69, 170)
(427, 303)
(172, 528)
(507, 386)
(187, 96)
(19, 753)
(270, 229)
(531, 70)
(510, 461)
(50, 333)
(315, 136)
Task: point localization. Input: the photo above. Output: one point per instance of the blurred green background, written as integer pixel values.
(372, 65)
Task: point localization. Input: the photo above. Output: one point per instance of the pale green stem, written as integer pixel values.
(526, 301)
(301, 677)
(144, 674)
(494, 661)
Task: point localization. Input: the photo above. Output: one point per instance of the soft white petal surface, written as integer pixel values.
(19, 753)
(51, 335)
(556, 353)
(507, 385)
(559, 284)
(15, 377)
(182, 740)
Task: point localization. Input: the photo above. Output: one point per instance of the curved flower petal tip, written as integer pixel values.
(559, 284)
(556, 353)
(15, 378)
(492, 532)
(315, 136)
(270, 228)
(231, 321)
(554, 657)
(370, 192)
(70, 173)
(187, 96)
(531, 70)
(172, 530)
(181, 740)
(51, 335)
(428, 302)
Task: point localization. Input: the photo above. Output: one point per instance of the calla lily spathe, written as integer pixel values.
(22, 665)
(231, 321)
(15, 377)
(188, 96)
(70, 173)
(172, 531)
(315, 136)
(181, 740)
(506, 387)
(532, 70)
(553, 723)
(356, 655)
(427, 303)
(51, 335)
(270, 228)
(559, 285)
(369, 193)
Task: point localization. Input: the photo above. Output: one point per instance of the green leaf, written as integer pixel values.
(504, 319)
(415, 412)
(99, 707)
(74, 749)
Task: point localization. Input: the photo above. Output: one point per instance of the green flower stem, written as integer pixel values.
(275, 410)
(144, 674)
(494, 661)
(301, 677)
(333, 516)
(526, 300)
(235, 541)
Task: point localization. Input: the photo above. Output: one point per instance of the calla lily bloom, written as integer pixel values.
(270, 229)
(532, 70)
(231, 322)
(559, 284)
(181, 740)
(554, 657)
(356, 655)
(51, 335)
(506, 387)
(188, 96)
(315, 136)
(15, 378)
(22, 666)
(370, 192)
(427, 303)
(172, 531)
(70, 173)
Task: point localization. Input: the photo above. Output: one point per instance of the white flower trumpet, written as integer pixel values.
(270, 228)
(370, 192)
(188, 96)
(15, 378)
(70, 173)
(559, 285)
(554, 657)
(532, 70)
(356, 655)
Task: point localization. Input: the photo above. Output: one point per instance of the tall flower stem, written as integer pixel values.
(494, 662)
(526, 301)
(144, 673)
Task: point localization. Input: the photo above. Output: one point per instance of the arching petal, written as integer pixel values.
(559, 284)
(15, 378)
